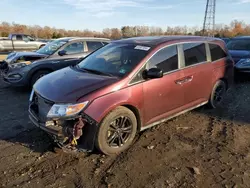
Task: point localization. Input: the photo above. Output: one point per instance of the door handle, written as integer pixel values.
(189, 79)
(184, 80)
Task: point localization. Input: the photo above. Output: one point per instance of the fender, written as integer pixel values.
(38, 68)
(101, 106)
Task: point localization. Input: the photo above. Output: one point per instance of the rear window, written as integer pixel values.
(93, 45)
(194, 53)
(216, 52)
(239, 44)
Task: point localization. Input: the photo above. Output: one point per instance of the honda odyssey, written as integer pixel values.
(128, 86)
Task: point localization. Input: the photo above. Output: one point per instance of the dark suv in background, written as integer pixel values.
(59, 47)
(128, 86)
(59, 54)
(239, 48)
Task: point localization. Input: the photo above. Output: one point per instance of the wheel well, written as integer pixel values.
(136, 113)
(225, 81)
(31, 76)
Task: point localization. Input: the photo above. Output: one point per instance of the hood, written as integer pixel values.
(15, 55)
(239, 54)
(68, 85)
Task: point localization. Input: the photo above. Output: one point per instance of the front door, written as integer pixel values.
(163, 96)
(74, 51)
(198, 74)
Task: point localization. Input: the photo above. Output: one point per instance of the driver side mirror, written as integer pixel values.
(152, 73)
(62, 53)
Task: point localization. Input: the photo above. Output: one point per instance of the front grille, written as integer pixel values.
(40, 107)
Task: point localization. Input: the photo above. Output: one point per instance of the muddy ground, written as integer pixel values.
(203, 148)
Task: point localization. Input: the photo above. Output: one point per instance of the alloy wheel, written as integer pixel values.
(119, 132)
(219, 94)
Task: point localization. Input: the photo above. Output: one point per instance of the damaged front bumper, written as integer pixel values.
(57, 128)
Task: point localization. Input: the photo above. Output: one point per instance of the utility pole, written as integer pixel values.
(209, 19)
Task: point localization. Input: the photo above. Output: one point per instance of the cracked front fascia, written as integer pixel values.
(87, 140)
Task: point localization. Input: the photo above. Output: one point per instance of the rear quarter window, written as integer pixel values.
(216, 52)
(93, 45)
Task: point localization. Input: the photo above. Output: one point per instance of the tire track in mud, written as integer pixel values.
(45, 171)
(103, 169)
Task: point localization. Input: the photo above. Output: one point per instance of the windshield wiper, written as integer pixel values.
(97, 72)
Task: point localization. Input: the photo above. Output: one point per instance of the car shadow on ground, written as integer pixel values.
(15, 125)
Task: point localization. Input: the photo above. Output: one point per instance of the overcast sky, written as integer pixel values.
(99, 14)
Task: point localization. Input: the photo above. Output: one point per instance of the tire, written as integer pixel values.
(38, 75)
(106, 131)
(218, 94)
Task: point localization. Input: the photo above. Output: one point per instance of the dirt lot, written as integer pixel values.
(2, 57)
(203, 148)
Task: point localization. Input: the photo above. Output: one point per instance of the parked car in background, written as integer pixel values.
(226, 40)
(57, 54)
(20, 42)
(128, 86)
(239, 48)
(59, 48)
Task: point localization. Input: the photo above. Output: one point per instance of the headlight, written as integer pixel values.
(244, 61)
(20, 65)
(66, 110)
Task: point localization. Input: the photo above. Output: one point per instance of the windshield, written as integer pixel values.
(115, 59)
(51, 47)
(240, 44)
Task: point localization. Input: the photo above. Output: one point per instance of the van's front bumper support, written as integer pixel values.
(85, 143)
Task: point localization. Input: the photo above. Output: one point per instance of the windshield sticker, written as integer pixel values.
(122, 71)
(145, 48)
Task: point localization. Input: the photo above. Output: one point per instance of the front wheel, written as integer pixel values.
(37, 76)
(117, 131)
(218, 94)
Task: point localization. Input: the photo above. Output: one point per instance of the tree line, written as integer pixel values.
(235, 28)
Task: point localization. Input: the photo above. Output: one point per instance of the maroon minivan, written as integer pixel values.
(128, 86)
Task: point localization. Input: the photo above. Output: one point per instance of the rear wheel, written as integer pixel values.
(117, 131)
(218, 94)
(38, 75)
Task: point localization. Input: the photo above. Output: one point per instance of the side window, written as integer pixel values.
(194, 53)
(216, 52)
(166, 59)
(26, 38)
(19, 37)
(93, 45)
(138, 77)
(73, 48)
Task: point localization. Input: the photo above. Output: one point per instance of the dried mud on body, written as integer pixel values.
(202, 148)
